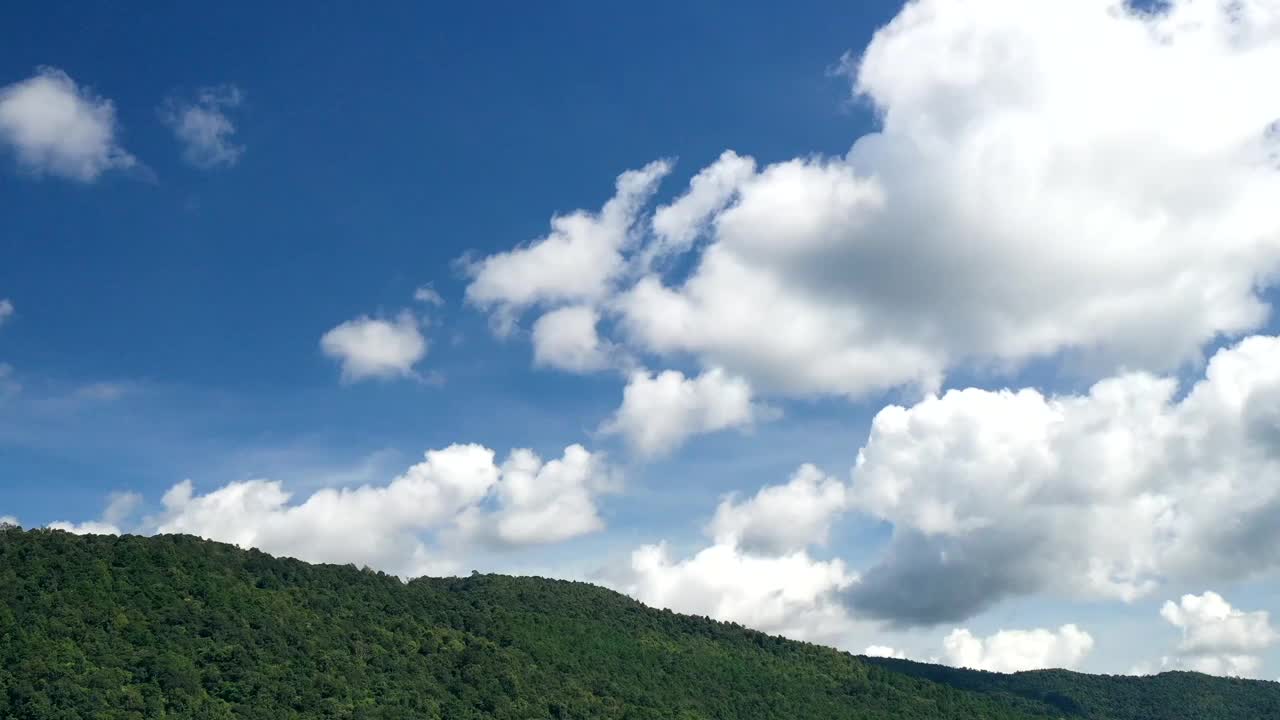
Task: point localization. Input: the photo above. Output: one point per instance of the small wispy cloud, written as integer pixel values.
(102, 391)
(204, 128)
(8, 383)
(378, 348)
(427, 294)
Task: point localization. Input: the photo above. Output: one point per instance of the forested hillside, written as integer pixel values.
(176, 627)
(1167, 696)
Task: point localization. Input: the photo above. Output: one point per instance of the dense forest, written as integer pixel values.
(1168, 696)
(177, 627)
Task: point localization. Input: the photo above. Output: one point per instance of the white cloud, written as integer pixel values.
(1017, 202)
(89, 527)
(427, 294)
(782, 518)
(1006, 651)
(792, 594)
(759, 576)
(1210, 625)
(383, 525)
(120, 507)
(9, 520)
(576, 262)
(659, 412)
(739, 311)
(58, 128)
(1010, 207)
(1216, 638)
(6, 310)
(566, 338)
(884, 651)
(369, 524)
(1000, 494)
(1018, 650)
(376, 348)
(1245, 666)
(553, 501)
(203, 127)
(678, 224)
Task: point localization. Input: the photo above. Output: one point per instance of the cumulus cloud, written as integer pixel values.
(1209, 624)
(782, 518)
(1218, 639)
(1017, 201)
(375, 348)
(566, 338)
(576, 262)
(550, 502)
(56, 127)
(449, 493)
(204, 128)
(9, 520)
(792, 594)
(738, 311)
(1018, 650)
(6, 310)
(659, 412)
(678, 224)
(1108, 494)
(751, 573)
(1246, 666)
(1006, 650)
(89, 527)
(120, 507)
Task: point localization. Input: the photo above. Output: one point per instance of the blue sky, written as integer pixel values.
(952, 205)
(370, 167)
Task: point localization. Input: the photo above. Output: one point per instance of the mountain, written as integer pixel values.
(172, 626)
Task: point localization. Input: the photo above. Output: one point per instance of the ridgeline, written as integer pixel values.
(117, 628)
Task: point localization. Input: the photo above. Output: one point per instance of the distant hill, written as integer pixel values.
(176, 627)
(1167, 696)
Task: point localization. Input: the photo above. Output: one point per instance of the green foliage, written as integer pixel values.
(126, 628)
(1167, 696)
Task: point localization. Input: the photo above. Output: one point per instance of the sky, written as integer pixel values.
(941, 331)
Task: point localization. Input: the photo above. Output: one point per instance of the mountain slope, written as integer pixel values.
(176, 627)
(1167, 696)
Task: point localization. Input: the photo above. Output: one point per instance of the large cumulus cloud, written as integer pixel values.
(993, 494)
(1020, 199)
(421, 522)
